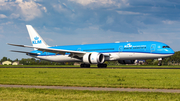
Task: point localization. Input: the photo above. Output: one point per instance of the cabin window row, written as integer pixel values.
(136, 48)
(99, 49)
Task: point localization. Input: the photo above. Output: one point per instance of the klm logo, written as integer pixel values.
(128, 45)
(36, 40)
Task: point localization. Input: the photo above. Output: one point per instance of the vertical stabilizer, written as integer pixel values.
(36, 39)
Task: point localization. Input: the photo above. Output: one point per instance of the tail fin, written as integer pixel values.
(36, 39)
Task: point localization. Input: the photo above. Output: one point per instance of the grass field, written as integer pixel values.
(21, 94)
(128, 78)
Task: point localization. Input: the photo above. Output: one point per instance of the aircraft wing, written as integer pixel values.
(52, 50)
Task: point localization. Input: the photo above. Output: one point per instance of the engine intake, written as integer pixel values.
(93, 58)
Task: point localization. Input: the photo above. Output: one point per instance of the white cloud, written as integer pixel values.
(1, 1)
(29, 10)
(64, 4)
(48, 39)
(1, 36)
(44, 8)
(59, 8)
(118, 3)
(26, 10)
(19, 1)
(128, 13)
(3, 16)
(7, 23)
(14, 16)
(168, 22)
(86, 2)
(1, 29)
(109, 20)
(56, 28)
(7, 5)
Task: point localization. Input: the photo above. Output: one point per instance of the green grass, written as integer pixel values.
(32, 94)
(127, 78)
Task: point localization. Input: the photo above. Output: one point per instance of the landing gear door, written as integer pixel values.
(79, 49)
(153, 47)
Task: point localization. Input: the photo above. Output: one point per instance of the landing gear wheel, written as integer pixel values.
(102, 65)
(160, 61)
(159, 64)
(85, 66)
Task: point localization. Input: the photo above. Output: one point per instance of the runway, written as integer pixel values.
(94, 88)
(103, 68)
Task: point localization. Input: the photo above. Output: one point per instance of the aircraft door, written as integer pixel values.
(120, 49)
(153, 47)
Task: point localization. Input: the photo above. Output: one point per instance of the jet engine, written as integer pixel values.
(93, 58)
(126, 61)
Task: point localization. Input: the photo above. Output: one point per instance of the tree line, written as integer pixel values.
(33, 61)
(173, 60)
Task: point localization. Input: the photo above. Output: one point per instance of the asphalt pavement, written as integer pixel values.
(94, 88)
(103, 68)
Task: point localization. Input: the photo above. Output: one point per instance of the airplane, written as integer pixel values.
(123, 52)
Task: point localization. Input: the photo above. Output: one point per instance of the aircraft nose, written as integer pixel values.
(171, 52)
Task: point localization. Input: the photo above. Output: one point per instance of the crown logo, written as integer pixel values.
(128, 45)
(36, 38)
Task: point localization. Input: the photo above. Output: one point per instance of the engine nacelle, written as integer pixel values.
(93, 58)
(126, 61)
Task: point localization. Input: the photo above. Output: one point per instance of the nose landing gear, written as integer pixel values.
(160, 62)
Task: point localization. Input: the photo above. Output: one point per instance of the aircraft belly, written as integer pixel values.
(113, 56)
(125, 56)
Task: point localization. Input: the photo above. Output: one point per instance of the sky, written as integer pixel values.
(71, 22)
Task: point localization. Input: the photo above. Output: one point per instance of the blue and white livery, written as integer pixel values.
(123, 52)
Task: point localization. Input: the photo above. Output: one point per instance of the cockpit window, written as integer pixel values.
(166, 47)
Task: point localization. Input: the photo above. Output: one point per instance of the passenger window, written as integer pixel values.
(164, 46)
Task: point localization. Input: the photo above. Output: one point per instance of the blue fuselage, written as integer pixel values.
(151, 47)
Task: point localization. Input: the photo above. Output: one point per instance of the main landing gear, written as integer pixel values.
(85, 65)
(102, 65)
(98, 65)
(159, 64)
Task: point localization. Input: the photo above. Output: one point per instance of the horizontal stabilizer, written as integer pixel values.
(20, 45)
(28, 53)
(52, 50)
